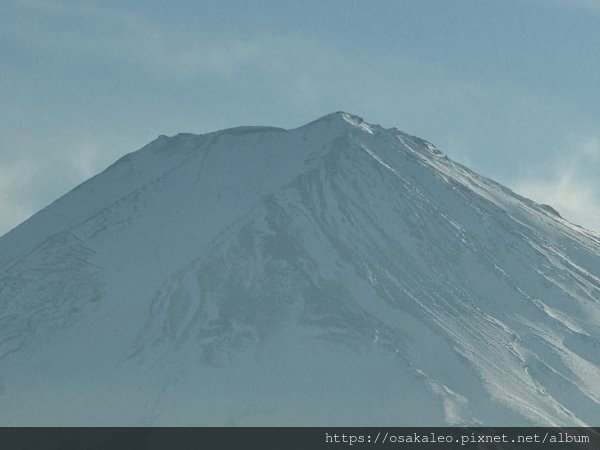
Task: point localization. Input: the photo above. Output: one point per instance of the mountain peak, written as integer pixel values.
(343, 120)
(339, 260)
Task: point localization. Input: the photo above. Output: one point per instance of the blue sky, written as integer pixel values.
(510, 88)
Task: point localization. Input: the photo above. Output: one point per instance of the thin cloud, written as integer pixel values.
(568, 183)
(588, 4)
(28, 183)
(15, 177)
(119, 36)
(593, 5)
(591, 148)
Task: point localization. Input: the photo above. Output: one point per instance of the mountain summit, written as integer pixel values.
(338, 273)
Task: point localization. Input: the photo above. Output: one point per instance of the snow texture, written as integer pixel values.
(338, 273)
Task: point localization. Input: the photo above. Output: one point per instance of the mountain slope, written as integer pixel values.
(337, 273)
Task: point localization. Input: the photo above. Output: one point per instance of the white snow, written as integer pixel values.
(335, 274)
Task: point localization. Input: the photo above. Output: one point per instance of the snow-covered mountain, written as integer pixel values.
(339, 273)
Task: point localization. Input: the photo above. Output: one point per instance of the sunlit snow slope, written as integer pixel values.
(338, 273)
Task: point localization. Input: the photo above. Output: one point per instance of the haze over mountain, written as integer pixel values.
(338, 273)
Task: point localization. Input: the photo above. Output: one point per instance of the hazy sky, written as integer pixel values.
(511, 88)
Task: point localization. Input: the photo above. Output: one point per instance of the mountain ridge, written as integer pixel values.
(338, 250)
